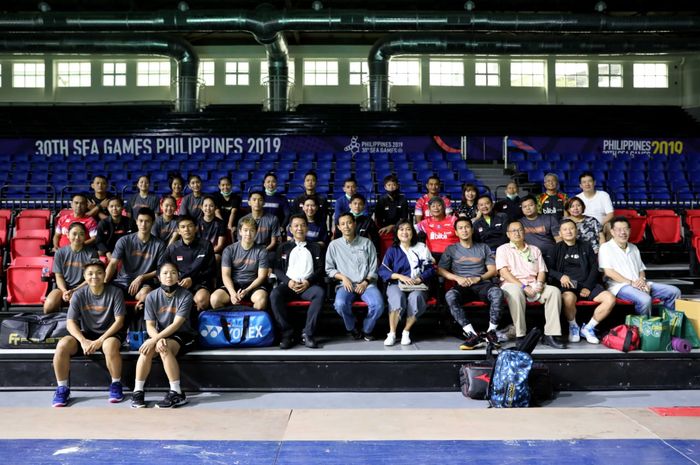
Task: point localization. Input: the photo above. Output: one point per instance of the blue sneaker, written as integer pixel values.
(574, 332)
(116, 393)
(61, 396)
(589, 334)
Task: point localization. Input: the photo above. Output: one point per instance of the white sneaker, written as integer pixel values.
(574, 333)
(589, 334)
(390, 339)
(405, 338)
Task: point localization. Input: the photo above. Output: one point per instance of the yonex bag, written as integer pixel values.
(237, 326)
(32, 331)
(622, 337)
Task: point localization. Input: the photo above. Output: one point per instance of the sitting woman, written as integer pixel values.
(573, 266)
(167, 315)
(407, 267)
(467, 207)
(589, 229)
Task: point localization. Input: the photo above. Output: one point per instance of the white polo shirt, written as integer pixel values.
(597, 206)
(627, 262)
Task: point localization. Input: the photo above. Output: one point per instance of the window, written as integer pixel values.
(152, 73)
(237, 73)
(320, 72)
(487, 73)
(527, 74)
(206, 72)
(650, 75)
(73, 74)
(114, 74)
(571, 74)
(359, 73)
(28, 75)
(404, 72)
(610, 75)
(264, 68)
(447, 73)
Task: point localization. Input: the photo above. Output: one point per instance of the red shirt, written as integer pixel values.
(66, 219)
(439, 234)
(423, 209)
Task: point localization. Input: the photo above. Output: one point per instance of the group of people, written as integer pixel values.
(196, 253)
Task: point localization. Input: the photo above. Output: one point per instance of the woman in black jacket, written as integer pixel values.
(573, 267)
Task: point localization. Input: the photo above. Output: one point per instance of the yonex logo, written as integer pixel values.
(210, 331)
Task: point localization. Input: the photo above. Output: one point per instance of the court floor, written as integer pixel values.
(353, 428)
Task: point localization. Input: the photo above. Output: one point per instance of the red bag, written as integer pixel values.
(623, 337)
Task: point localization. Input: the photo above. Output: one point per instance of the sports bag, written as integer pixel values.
(509, 380)
(32, 331)
(237, 326)
(656, 335)
(474, 379)
(622, 337)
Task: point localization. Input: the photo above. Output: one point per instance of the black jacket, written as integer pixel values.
(589, 263)
(195, 260)
(282, 262)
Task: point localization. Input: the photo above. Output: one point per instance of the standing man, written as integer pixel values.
(552, 200)
(268, 230)
(310, 181)
(491, 227)
(523, 276)
(76, 215)
(598, 203)
(423, 204)
(471, 266)
(352, 261)
(624, 271)
(299, 268)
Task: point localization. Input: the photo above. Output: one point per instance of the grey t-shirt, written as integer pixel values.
(268, 227)
(136, 203)
(96, 313)
(467, 262)
(540, 232)
(164, 230)
(163, 309)
(244, 263)
(192, 206)
(70, 264)
(137, 257)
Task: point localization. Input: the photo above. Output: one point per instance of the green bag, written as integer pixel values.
(656, 335)
(690, 335)
(675, 321)
(635, 320)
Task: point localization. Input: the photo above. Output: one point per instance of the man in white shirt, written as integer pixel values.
(624, 272)
(598, 203)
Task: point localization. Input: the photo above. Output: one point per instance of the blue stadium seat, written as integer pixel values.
(535, 156)
(536, 176)
(247, 165)
(525, 165)
(516, 156)
(467, 175)
(553, 156)
(288, 156)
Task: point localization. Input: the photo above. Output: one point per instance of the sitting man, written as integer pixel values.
(541, 231)
(624, 271)
(352, 260)
(76, 215)
(244, 270)
(194, 259)
(167, 315)
(523, 275)
(423, 204)
(471, 266)
(113, 228)
(68, 266)
(438, 228)
(299, 268)
(491, 227)
(573, 266)
(552, 200)
(95, 322)
(139, 254)
(268, 229)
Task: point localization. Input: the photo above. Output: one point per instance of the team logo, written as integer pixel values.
(353, 147)
(210, 331)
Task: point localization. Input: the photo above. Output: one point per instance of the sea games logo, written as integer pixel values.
(374, 146)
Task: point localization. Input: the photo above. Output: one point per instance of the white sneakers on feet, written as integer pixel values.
(390, 339)
(589, 334)
(405, 338)
(574, 333)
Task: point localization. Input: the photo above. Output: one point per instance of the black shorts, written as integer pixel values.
(236, 285)
(597, 289)
(125, 287)
(185, 340)
(121, 336)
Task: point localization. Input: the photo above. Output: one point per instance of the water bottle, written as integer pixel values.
(45, 273)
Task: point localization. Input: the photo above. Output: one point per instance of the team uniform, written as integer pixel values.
(194, 260)
(423, 208)
(163, 229)
(162, 310)
(96, 313)
(137, 258)
(109, 232)
(70, 264)
(63, 226)
(136, 203)
(244, 264)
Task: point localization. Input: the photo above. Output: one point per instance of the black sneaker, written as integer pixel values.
(473, 341)
(368, 337)
(491, 337)
(172, 399)
(309, 341)
(286, 343)
(356, 334)
(138, 399)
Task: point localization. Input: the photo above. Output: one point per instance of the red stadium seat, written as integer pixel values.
(42, 261)
(626, 212)
(27, 247)
(692, 213)
(6, 214)
(36, 233)
(3, 232)
(661, 212)
(665, 229)
(694, 224)
(39, 212)
(31, 222)
(25, 286)
(637, 226)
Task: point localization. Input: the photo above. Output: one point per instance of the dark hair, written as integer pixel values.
(209, 197)
(414, 236)
(567, 220)
(513, 222)
(117, 198)
(350, 179)
(462, 219)
(391, 177)
(358, 196)
(298, 216)
(182, 218)
(309, 197)
(148, 177)
(146, 211)
(311, 173)
(584, 174)
(193, 176)
(567, 206)
(433, 176)
(95, 262)
(528, 197)
(484, 196)
(160, 267)
(175, 177)
(258, 192)
(470, 186)
(619, 219)
(78, 225)
(348, 214)
(268, 174)
(225, 178)
(168, 197)
(512, 181)
(101, 176)
(79, 194)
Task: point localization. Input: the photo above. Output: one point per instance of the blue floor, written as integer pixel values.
(589, 452)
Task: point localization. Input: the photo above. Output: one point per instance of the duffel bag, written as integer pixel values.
(622, 337)
(32, 331)
(237, 326)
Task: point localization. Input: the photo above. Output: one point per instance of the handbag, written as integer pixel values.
(32, 331)
(656, 335)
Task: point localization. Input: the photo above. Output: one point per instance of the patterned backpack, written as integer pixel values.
(509, 385)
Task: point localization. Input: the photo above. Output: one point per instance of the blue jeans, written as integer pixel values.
(642, 301)
(375, 307)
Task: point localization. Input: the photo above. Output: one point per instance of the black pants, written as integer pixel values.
(283, 294)
(485, 291)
